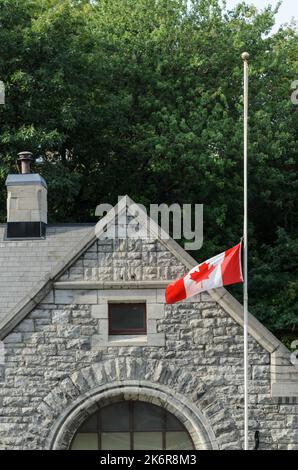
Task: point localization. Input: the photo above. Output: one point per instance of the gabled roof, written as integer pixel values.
(32, 267)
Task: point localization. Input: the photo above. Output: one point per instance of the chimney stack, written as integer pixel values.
(26, 201)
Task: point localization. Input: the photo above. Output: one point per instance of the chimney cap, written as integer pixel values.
(25, 155)
(23, 180)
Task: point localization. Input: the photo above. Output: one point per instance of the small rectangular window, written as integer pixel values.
(127, 319)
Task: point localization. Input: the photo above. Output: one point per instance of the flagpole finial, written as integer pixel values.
(245, 56)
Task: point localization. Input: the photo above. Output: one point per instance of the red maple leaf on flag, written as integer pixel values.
(204, 270)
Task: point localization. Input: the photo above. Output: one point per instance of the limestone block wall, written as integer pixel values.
(52, 360)
(60, 356)
(125, 259)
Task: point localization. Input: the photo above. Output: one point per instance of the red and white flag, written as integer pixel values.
(221, 270)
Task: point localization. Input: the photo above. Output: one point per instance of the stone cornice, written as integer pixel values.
(91, 285)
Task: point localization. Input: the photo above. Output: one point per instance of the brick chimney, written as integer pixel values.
(26, 201)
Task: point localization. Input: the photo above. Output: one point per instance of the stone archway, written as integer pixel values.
(181, 393)
(68, 423)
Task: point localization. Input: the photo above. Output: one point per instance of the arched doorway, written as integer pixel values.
(132, 425)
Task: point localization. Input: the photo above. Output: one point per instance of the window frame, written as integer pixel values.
(131, 431)
(126, 331)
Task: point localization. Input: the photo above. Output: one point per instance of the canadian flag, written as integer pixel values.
(221, 270)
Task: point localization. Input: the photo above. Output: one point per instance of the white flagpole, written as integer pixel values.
(245, 57)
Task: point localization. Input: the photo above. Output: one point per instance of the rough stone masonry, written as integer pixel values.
(59, 360)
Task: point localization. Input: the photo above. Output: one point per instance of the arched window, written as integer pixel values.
(132, 425)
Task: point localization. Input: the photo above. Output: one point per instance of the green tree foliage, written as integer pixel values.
(145, 97)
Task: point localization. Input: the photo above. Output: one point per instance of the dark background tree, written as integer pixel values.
(144, 97)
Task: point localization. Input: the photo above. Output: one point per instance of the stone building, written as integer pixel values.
(93, 358)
